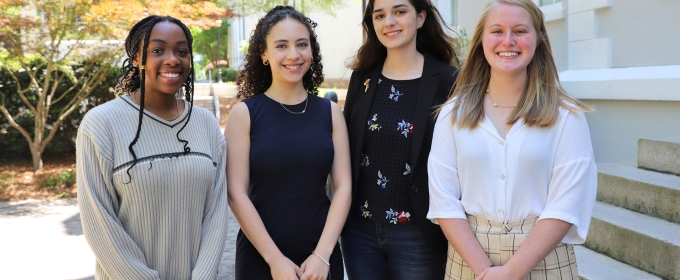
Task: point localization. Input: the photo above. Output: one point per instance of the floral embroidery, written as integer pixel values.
(364, 210)
(364, 161)
(372, 125)
(397, 217)
(395, 94)
(408, 169)
(405, 127)
(382, 180)
(366, 83)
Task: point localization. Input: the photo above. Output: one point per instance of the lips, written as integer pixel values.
(294, 67)
(392, 34)
(508, 54)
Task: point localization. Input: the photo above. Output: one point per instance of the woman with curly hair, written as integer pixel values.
(151, 184)
(402, 72)
(283, 143)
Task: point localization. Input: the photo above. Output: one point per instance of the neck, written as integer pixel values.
(287, 93)
(403, 64)
(156, 101)
(507, 87)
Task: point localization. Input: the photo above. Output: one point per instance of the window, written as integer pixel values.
(548, 2)
(453, 16)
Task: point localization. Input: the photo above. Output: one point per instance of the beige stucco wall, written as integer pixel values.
(642, 33)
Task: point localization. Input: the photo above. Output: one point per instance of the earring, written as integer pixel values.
(265, 62)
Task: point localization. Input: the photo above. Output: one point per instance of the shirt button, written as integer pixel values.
(501, 213)
(502, 177)
(414, 188)
(501, 143)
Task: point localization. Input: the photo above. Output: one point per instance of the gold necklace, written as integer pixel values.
(134, 97)
(289, 111)
(496, 104)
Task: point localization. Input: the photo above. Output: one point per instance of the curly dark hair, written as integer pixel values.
(256, 77)
(431, 38)
(132, 78)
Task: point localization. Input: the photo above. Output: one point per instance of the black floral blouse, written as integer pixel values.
(386, 170)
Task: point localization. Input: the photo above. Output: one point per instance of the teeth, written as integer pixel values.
(391, 33)
(294, 67)
(170, 75)
(508, 54)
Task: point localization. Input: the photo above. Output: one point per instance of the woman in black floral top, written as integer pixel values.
(402, 73)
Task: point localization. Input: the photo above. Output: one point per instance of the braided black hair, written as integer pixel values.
(256, 78)
(132, 78)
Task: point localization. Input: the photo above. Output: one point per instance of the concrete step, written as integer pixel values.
(645, 242)
(594, 266)
(661, 155)
(640, 190)
(205, 102)
(202, 89)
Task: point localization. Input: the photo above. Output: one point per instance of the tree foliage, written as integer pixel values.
(250, 7)
(47, 44)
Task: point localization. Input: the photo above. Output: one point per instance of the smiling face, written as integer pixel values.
(509, 40)
(167, 59)
(288, 51)
(396, 23)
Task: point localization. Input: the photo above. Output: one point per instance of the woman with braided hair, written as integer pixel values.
(151, 181)
(284, 141)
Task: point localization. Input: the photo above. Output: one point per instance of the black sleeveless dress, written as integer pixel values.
(290, 158)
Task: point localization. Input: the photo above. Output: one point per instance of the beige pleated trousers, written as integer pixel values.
(500, 241)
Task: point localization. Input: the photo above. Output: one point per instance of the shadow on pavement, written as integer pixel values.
(72, 225)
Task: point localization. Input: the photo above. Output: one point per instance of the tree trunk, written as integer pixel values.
(36, 154)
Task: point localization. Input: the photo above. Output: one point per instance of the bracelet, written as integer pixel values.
(322, 259)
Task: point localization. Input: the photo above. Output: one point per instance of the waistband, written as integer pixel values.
(480, 225)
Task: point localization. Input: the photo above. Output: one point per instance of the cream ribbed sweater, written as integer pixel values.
(169, 221)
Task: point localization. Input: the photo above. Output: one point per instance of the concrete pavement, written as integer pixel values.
(44, 240)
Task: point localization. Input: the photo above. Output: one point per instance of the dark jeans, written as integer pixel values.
(381, 251)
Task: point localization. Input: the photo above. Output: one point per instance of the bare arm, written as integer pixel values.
(313, 267)
(464, 241)
(238, 162)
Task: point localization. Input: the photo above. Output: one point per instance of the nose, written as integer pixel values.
(509, 39)
(292, 54)
(171, 59)
(389, 20)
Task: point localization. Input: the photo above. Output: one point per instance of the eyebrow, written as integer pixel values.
(516, 25)
(286, 41)
(164, 42)
(393, 7)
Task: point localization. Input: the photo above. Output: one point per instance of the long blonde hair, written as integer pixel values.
(543, 93)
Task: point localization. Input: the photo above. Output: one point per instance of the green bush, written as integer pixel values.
(64, 180)
(228, 75)
(14, 145)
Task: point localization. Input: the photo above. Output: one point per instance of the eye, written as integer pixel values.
(303, 45)
(379, 16)
(400, 12)
(157, 51)
(521, 31)
(496, 31)
(280, 46)
(183, 52)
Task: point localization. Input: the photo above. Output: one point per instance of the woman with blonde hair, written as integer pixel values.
(512, 174)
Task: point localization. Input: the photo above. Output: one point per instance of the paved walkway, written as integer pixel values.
(44, 240)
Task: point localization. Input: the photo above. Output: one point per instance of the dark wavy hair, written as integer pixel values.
(431, 38)
(256, 77)
(132, 78)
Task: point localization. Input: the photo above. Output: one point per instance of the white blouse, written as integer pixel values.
(533, 172)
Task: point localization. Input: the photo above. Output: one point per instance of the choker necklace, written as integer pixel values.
(134, 98)
(289, 111)
(496, 104)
